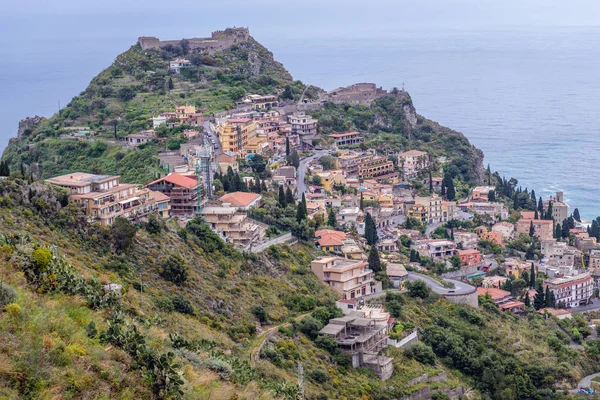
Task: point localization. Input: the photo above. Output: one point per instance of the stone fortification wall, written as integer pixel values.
(219, 40)
(468, 299)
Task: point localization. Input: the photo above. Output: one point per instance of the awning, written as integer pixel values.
(129, 200)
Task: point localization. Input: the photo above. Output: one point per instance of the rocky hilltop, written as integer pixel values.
(123, 98)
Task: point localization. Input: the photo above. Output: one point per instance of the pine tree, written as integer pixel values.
(531, 229)
(527, 301)
(331, 219)
(289, 196)
(287, 146)
(532, 276)
(576, 215)
(282, 199)
(374, 260)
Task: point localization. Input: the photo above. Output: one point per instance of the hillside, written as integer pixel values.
(137, 86)
(169, 328)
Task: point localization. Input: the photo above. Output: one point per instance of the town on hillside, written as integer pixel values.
(379, 221)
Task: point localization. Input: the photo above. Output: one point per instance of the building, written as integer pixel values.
(330, 240)
(182, 190)
(362, 338)
(467, 240)
(303, 125)
(412, 162)
(258, 102)
(560, 209)
(558, 253)
(177, 64)
(136, 139)
(437, 249)
(397, 273)
(469, 257)
(242, 200)
(493, 237)
(543, 229)
(233, 225)
(105, 199)
(494, 210)
(347, 138)
(235, 134)
(226, 160)
(285, 176)
(516, 267)
(493, 281)
(594, 259)
(433, 208)
(482, 193)
(506, 229)
(350, 278)
(183, 115)
(503, 299)
(450, 211)
(375, 167)
(358, 93)
(571, 291)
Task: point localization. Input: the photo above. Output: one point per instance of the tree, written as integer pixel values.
(293, 159)
(565, 229)
(430, 182)
(282, 199)
(532, 276)
(126, 93)
(547, 297)
(370, 230)
(549, 211)
(374, 260)
(170, 83)
(530, 253)
(536, 215)
(289, 196)
(557, 232)
(492, 196)
(122, 233)
(489, 176)
(316, 180)
(541, 206)
(4, 168)
(417, 288)
(331, 219)
(362, 203)
(174, 269)
(287, 146)
(527, 300)
(576, 215)
(531, 229)
(455, 261)
(516, 201)
(301, 212)
(539, 301)
(236, 93)
(448, 184)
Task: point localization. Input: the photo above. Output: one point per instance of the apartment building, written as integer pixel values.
(181, 190)
(235, 134)
(104, 198)
(482, 193)
(502, 298)
(492, 209)
(543, 229)
(412, 162)
(437, 249)
(469, 257)
(560, 209)
(571, 291)
(594, 259)
(433, 207)
(303, 125)
(467, 240)
(559, 253)
(450, 211)
(347, 138)
(258, 102)
(183, 115)
(350, 278)
(375, 167)
(136, 139)
(233, 225)
(177, 64)
(506, 229)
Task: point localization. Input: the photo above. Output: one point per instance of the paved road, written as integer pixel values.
(208, 128)
(435, 286)
(585, 382)
(300, 184)
(595, 305)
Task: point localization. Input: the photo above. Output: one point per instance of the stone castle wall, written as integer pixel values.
(469, 299)
(219, 40)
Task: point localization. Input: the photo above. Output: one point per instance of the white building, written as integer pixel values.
(571, 291)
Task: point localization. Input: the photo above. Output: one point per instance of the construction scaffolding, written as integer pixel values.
(204, 176)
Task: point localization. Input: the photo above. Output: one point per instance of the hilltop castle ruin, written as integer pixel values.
(219, 40)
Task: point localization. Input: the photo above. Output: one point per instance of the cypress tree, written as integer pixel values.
(251, 186)
(430, 182)
(576, 215)
(527, 301)
(565, 229)
(557, 232)
(532, 276)
(516, 201)
(531, 229)
(370, 230)
(492, 196)
(374, 260)
(539, 301)
(547, 297)
(450, 192)
(287, 146)
(541, 207)
(263, 186)
(549, 211)
(301, 212)
(536, 216)
(533, 196)
(289, 196)
(331, 219)
(489, 175)
(282, 199)
(362, 203)
(413, 257)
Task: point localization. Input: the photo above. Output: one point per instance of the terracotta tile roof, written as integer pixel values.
(494, 293)
(467, 252)
(178, 180)
(240, 199)
(158, 196)
(330, 237)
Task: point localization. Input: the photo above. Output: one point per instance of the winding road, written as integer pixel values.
(460, 288)
(585, 382)
(300, 184)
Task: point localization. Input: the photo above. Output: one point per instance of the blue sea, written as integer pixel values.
(529, 98)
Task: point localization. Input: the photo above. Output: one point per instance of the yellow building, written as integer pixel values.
(257, 145)
(418, 212)
(386, 200)
(330, 179)
(235, 134)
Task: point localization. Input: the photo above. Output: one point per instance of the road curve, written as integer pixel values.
(300, 184)
(460, 288)
(585, 382)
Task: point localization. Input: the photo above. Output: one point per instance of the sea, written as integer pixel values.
(528, 97)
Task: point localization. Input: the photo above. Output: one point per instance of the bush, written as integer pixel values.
(422, 353)
(417, 288)
(8, 294)
(122, 232)
(327, 343)
(182, 305)
(318, 376)
(174, 269)
(260, 313)
(164, 304)
(310, 327)
(300, 303)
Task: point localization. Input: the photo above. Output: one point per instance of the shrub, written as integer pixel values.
(42, 257)
(123, 233)
(164, 304)
(8, 294)
(318, 376)
(422, 353)
(14, 310)
(174, 269)
(182, 305)
(327, 343)
(300, 303)
(310, 327)
(417, 288)
(260, 313)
